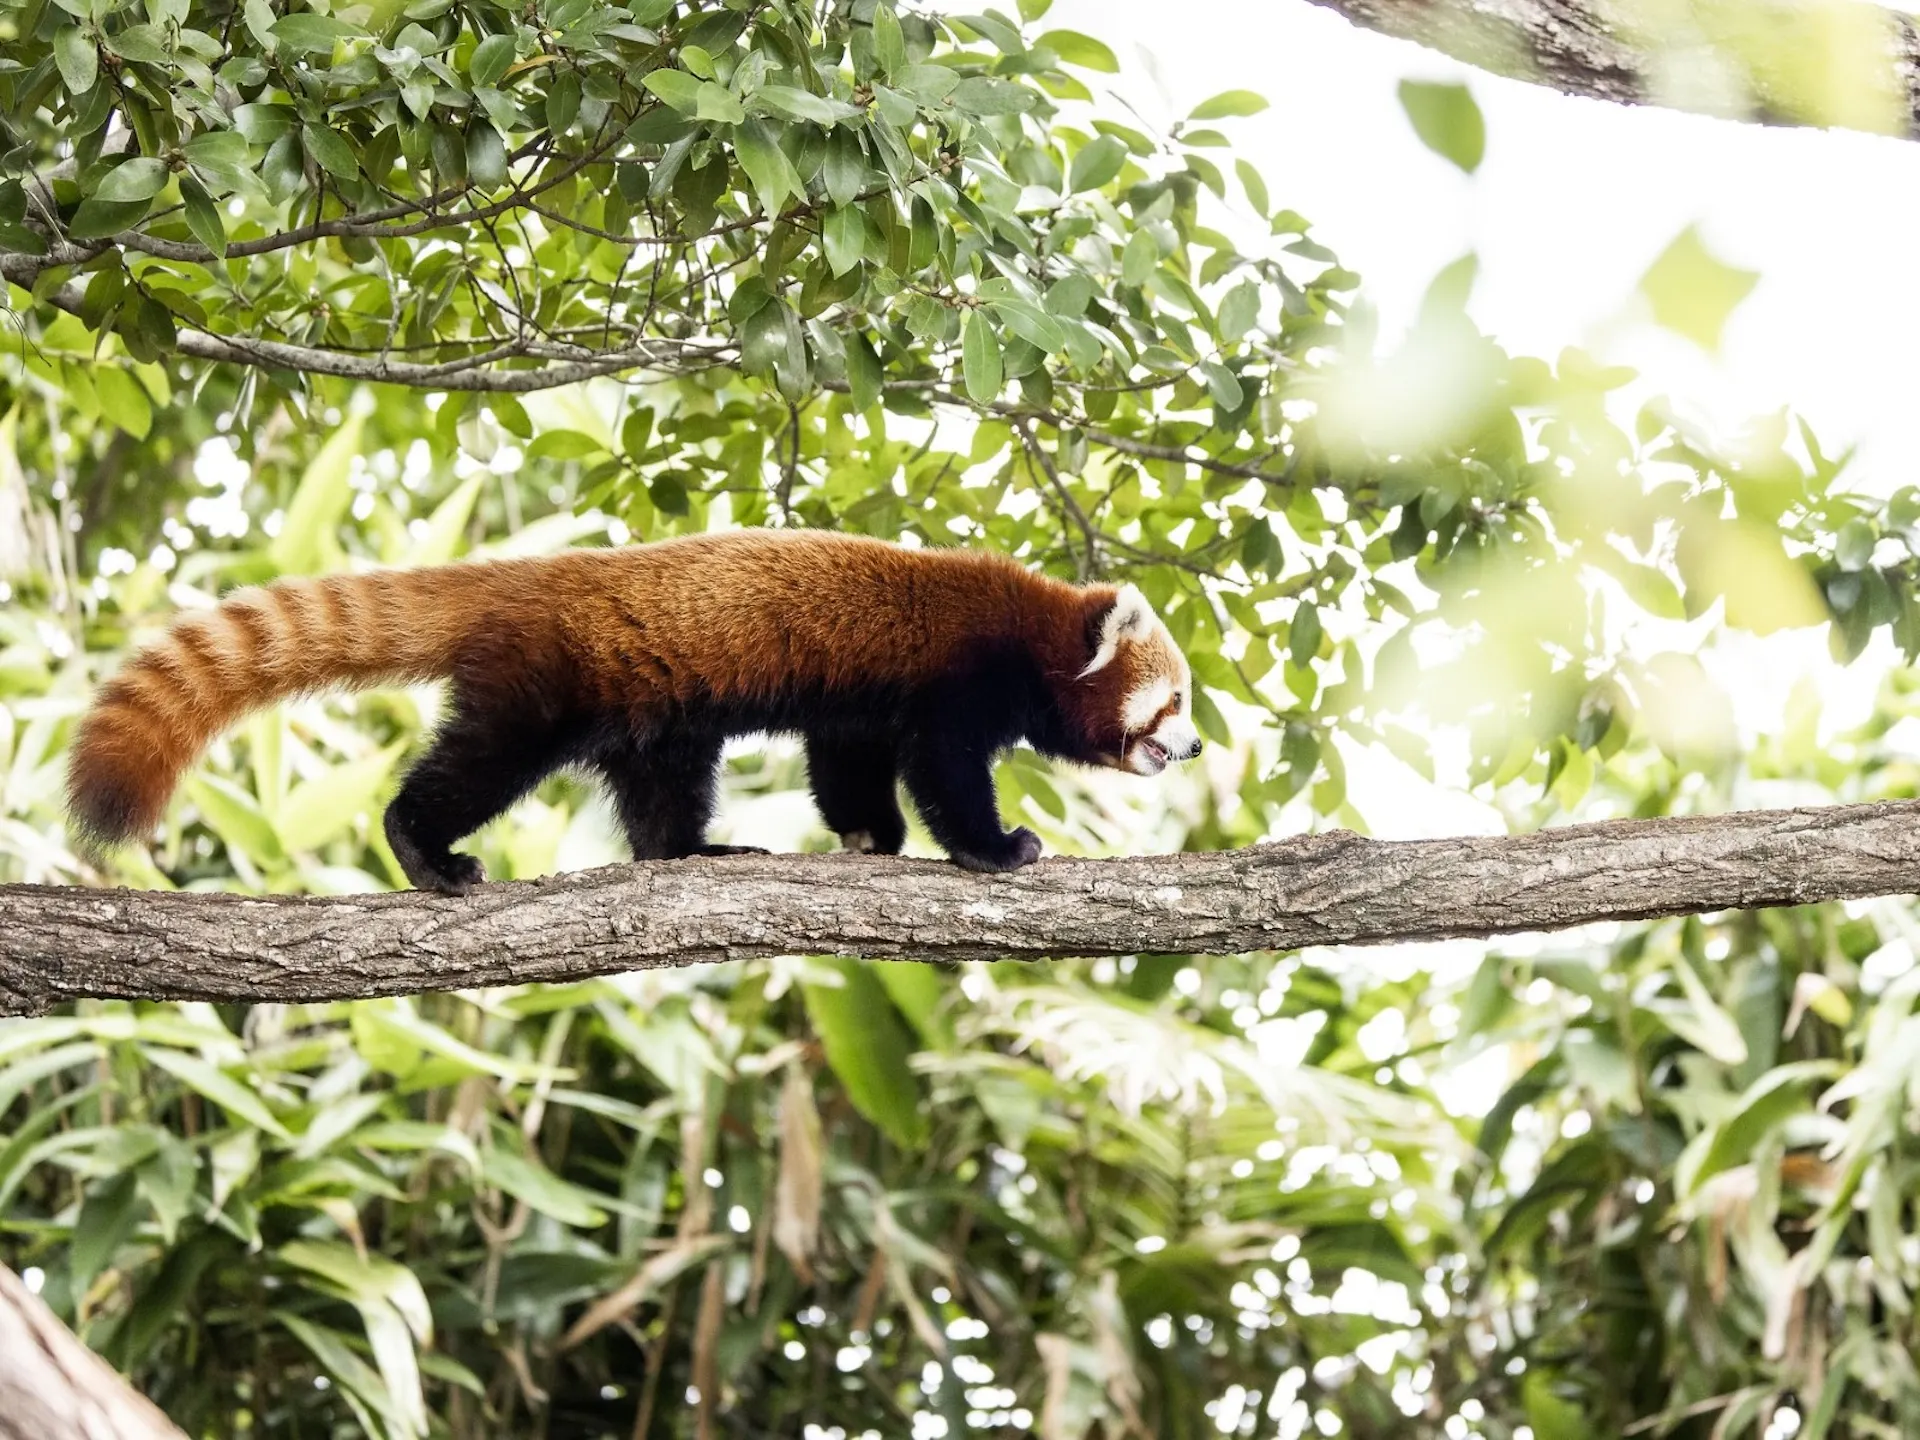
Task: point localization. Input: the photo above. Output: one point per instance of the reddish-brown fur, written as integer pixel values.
(642, 631)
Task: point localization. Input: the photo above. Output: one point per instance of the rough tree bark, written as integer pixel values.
(1739, 59)
(53, 1388)
(59, 944)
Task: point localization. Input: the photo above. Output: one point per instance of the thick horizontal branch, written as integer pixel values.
(1838, 63)
(53, 1388)
(61, 944)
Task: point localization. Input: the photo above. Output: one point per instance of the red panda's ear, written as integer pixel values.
(1128, 616)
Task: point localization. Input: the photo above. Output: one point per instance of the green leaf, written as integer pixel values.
(1551, 1416)
(220, 151)
(343, 1365)
(1229, 103)
(565, 445)
(107, 1218)
(1031, 324)
(1855, 544)
(1138, 260)
(767, 166)
(1303, 635)
(989, 95)
(869, 1049)
(845, 234)
(1098, 162)
(1223, 385)
(143, 44)
(486, 156)
(1693, 292)
(1766, 1104)
(440, 540)
(319, 809)
(491, 59)
(133, 180)
(717, 103)
(889, 41)
(1077, 49)
(1447, 119)
(76, 58)
(363, 1278)
(262, 124)
(123, 400)
(328, 149)
(96, 219)
(1255, 187)
(306, 535)
(863, 373)
(212, 1083)
(305, 33)
(845, 170)
(676, 87)
(980, 359)
(526, 1179)
(235, 816)
(1239, 310)
(798, 104)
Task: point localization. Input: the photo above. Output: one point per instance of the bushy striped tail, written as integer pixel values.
(154, 717)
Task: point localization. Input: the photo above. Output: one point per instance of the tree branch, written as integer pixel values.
(556, 365)
(53, 1388)
(1745, 61)
(59, 944)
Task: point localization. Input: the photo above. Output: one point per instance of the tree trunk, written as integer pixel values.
(53, 1388)
(1837, 63)
(61, 944)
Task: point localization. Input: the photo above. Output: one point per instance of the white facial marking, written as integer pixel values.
(1145, 703)
(1174, 738)
(1131, 615)
(1177, 734)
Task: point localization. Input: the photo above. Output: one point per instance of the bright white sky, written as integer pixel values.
(1574, 199)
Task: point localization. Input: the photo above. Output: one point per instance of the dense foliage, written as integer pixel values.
(896, 273)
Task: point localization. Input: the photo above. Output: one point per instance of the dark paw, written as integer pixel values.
(733, 850)
(1021, 849)
(455, 875)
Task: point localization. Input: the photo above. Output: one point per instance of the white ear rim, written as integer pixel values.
(1130, 615)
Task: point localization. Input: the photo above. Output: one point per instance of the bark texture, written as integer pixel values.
(60, 944)
(1755, 60)
(53, 1388)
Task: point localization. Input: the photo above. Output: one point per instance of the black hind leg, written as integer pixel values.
(853, 778)
(664, 792)
(479, 765)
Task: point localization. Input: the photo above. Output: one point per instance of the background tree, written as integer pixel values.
(896, 273)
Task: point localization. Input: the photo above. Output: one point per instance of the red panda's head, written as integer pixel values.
(1134, 698)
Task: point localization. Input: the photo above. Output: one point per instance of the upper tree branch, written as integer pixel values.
(1746, 60)
(551, 365)
(60, 944)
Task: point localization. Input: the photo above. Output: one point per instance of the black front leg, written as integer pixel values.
(949, 774)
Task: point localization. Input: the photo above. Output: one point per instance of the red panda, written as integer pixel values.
(640, 662)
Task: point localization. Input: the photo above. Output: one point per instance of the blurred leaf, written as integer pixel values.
(1692, 291)
(868, 1048)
